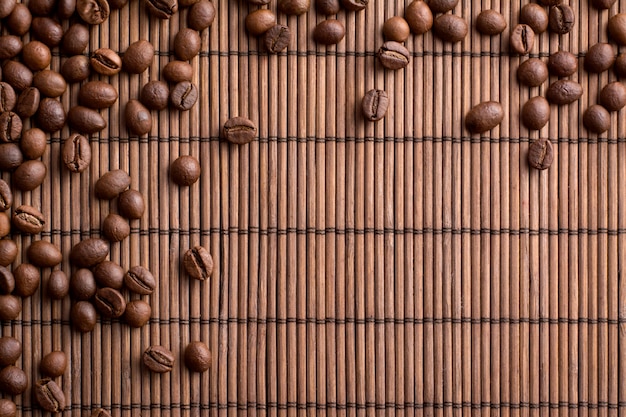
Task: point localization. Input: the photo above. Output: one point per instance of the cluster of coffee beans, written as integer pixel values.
(159, 359)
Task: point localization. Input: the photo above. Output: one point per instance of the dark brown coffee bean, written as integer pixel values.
(540, 154)
(97, 95)
(617, 28)
(109, 274)
(29, 175)
(137, 313)
(83, 316)
(8, 252)
(58, 285)
(185, 170)
(27, 278)
(163, 9)
(442, 6)
(603, 4)
(177, 71)
(41, 7)
(6, 8)
(484, 117)
(562, 64)
(10, 46)
(76, 69)
(110, 302)
(491, 22)
(328, 7)
(7, 408)
(33, 143)
(450, 28)
(19, 20)
(138, 57)
(140, 280)
(10, 127)
(75, 40)
(76, 153)
(393, 55)
(239, 130)
(65, 9)
(49, 395)
(599, 58)
(329, 32)
(13, 380)
(117, 4)
(201, 15)
(51, 115)
(257, 23)
(8, 98)
(7, 285)
(613, 96)
(130, 204)
(561, 19)
(106, 62)
(93, 12)
(597, 119)
(10, 156)
(198, 263)
(534, 16)
(419, 17)
(28, 103)
(83, 285)
(620, 65)
(111, 184)
(49, 83)
(36, 55)
(155, 95)
(47, 30)
(44, 254)
(354, 5)
(53, 364)
(5, 224)
(6, 197)
(374, 105)
(86, 120)
(17, 75)
(10, 350)
(533, 72)
(294, 7)
(277, 38)
(184, 96)
(396, 29)
(89, 252)
(28, 219)
(138, 118)
(564, 92)
(10, 308)
(522, 39)
(158, 359)
(197, 357)
(115, 228)
(187, 42)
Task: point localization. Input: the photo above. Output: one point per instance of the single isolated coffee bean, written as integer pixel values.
(8, 252)
(65, 9)
(597, 119)
(239, 130)
(184, 95)
(155, 95)
(442, 6)
(8, 98)
(28, 219)
(277, 38)
(396, 29)
(419, 17)
(534, 16)
(6, 196)
(328, 7)
(93, 12)
(33, 143)
(86, 120)
(140, 280)
(20, 19)
(105, 61)
(540, 154)
(83, 316)
(10, 350)
(137, 313)
(28, 102)
(6, 8)
(10, 308)
(76, 69)
(27, 278)
(533, 72)
(130, 204)
(491, 22)
(29, 175)
(599, 58)
(44, 254)
(49, 395)
(10, 156)
(522, 39)
(561, 19)
(393, 55)
(484, 117)
(10, 46)
(10, 127)
(294, 7)
(198, 263)
(374, 105)
(329, 32)
(185, 170)
(47, 30)
(75, 40)
(109, 274)
(110, 302)
(97, 95)
(111, 184)
(53, 364)
(564, 92)
(58, 285)
(163, 9)
(138, 118)
(51, 115)
(17, 75)
(7, 408)
(158, 359)
(201, 15)
(89, 252)
(257, 23)
(613, 96)
(138, 57)
(5, 224)
(49, 83)
(115, 228)
(36, 55)
(82, 285)
(13, 380)
(450, 28)
(617, 28)
(197, 357)
(76, 153)
(177, 71)
(354, 5)
(7, 285)
(562, 64)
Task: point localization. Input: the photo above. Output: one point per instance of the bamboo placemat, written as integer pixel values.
(397, 268)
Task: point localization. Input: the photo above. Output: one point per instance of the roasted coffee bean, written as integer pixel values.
(419, 17)
(277, 38)
(83, 285)
(28, 102)
(201, 15)
(564, 92)
(450, 28)
(177, 71)
(8, 252)
(540, 154)
(6, 197)
(7, 285)
(163, 9)
(105, 61)
(6, 8)
(374, 105)
(239, 130)
(28, 219)
(10, 46)
(620, 65)
(329, 32)
(17, 75)
(53, 364)
(7, 408)
(328, 7)
(534, 16)
(41, 7)
(533, 72)
(117, 4)
(10, 308)
(484, 117)
(44, 254)
(19, 20)
(139, 280)
(8, 98)
(10, 156)
(185, 170)
(65, 9)
(10, 350)
(561, 19)
(603, 4)
(130, 204)
(393, 55)
(89, 252)
(138, 118)
(155, 95)
(442, 6)
(75, 40)
(51, 115)
(76, 153)
(109, 274)
(491, 22)
(111, 184)
(138, 57)
(93, 12)
(10, 127)
(354, 5)
(86, 120)
(29, 175)
(97, 95)
(47, 30)
(49, 83)
(396, 29)
(522, 39)
(58, 285)
(198, 263)
(76, 69)
(36, 55)
(197, 357)
(27, 278)
(110, 302)
(599, 58)
(562, 64)
(617, 28)
(115, 228)
(83, 316)
(158, 359)
(13, 380)
(33, 143)
(187, 42)
(49, 395)
(257, 23)
(5, 224)
(294, 7)
(597, 119)
(613, 96)
(184, 95)
(137, 313)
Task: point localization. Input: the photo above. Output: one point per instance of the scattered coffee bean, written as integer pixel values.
(115, 228)
(7, 408)
(10, 46)
(47, 30)
(139, 280)
(562, 64)
(329, 32)
(257, 23)
(49, 395)
(97, 95)
(75, 40)
(597, 119)
(10, 156)
(76, 153)
(163, 9)
(450, 28)
(83, 316)
(177, 71)
(374, 105)
(8, 98)
(44, 254)
(484, 117)
(540, 154)
(239, 130)
(33, 143)
(53, 364)
(58, 285)
(36, 55)
(7, 285)
(158, 359)
(393, 55)
(130, 204)
(442, 6)
(185, 170)
(201, 15)
(617, 28)
(599, 58)
(184, 95)
(28, 102)
(277, 38)
(491, 22)
(396, 29)
(89, 252)
(17, 75)
(10, 127)
(294, 7)
(109, 274)
(111, 184)
(27, 278)
(5, 224)
(8, 252)
(613, 96)
(93, 12)
(20, 19)
(105, 61)
(138, 118)
(86, 120)
(533, 72)
(522, 39)
(51, 115)
(13, 380)
(138, 57)
(29, 175)
(155, 95)
(561, 19)
(10, 350)
(198, 263)
(534, 16)
(110, 302)
(197, 357)
(76, 69)
(28, 219)
(6, 8)
(564, 92)
(137, 313)
(419, 17)
(535, 113)
(49, 83)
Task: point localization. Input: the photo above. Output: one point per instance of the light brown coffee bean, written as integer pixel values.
(10, 46)
(155, 95)
(82, 284)
(115, 228)
(562, 64)
(47, 30)
(137, 313)
(27, 278)
(184, 95)
(258, 22)
(201, 15)
(419, 17)
(85, 120)
(10, 309)
(130, 204)
(28, 103)
(28, 219)
(6, 8)
(393, 55)
(533, 72)
(239, 130)
(36, 55)
(450, 28)
(198, 263)
(93, 12)
(83, 316)
(535, 113)
(540, 154)
(617, 28)
(49, 83)
(484, 117)
(140, 280)
(76, 153)
(138, 118)
(277, 39)
(111, 184)
(354, 5)
(110, 302)
(51, 115)
(329, 32)
(396, 29)
(49, 395)
(6, 196)
(163, 9)
(109, 274)
(33, 143)
(138, 57)
(10, 127)
(76, 69)
(603, 4)
(522, 39)
(599, 58)
(491, 22)
(158, 359)
(53, 364)
(5, 224)
(197, 357)
(29, 175)
(105, 61)
(13, 380)
(374, 105)
(561, 19)
(7, 283)
(97, 95)
(44, 254)
(597, 119)
(75, 40)
(7, 408)
(10, 350)
(185, 170)
(294, 7)
(177, 71)
(442, 6)
(20, 19)
(17, 75)
(534, 16)
(8, 252)
(613, 96)
(8, 98)
(327, 7)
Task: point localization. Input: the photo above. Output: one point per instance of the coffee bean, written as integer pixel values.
(97, 95)
(419, 17)
(17, 75)
(29, 175)
(58, 285)
(354, 5)
(533, 72)
(392, 55)
(442, 6)
(597, 119)
(47, 30)
(6, 197)
(10, 127)
(111, 184)
(109, 274)
(8, 98)
(564, 92)
(8, 252)
(239, 130)
(51, 115)
(89, 252)
(10, 46)
(277, 38)
(36, 55)
(617, 28)
(76, 153)
(328, 7)
(294, 7)
(33, 143)
(7, 285)
(13, 380)
(534, 16)
(140, 280)
(184, 95)
(41, 7)
(130, 204)
(197, 357)
(185, 170)
(450, 28)
(201, 15)
(44, 254)
(10, 156)
(28, 102)
(53, 364)
(117, 4)
(562, 64)
(83, 284)
(522, 39)
(75, 40)
(599, 58)
(155, 95)
(28, 219)
(86, 120)
(374, 105)
(540, 154)
(7, 408)
(138, 118)
(65, 9)
(76, 69)
(561, 19)
(105, 61)
(257, 23)
(115, 228)
(198, 263)
(110, 302)
(5, 224)
(138, 57)
(158, 359)
(137, 313)
(10, 350)
(329, 32)
(177, 71)
(20, 19)
(49, 83)
(484, 117)
(83, 316)
(6, 7)
(396, 29)
(603, 4)
(163, 9)
(93, 12)
(49, 395)
(491, 22)
(10, 308)
(27, 278)
(613, 96)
